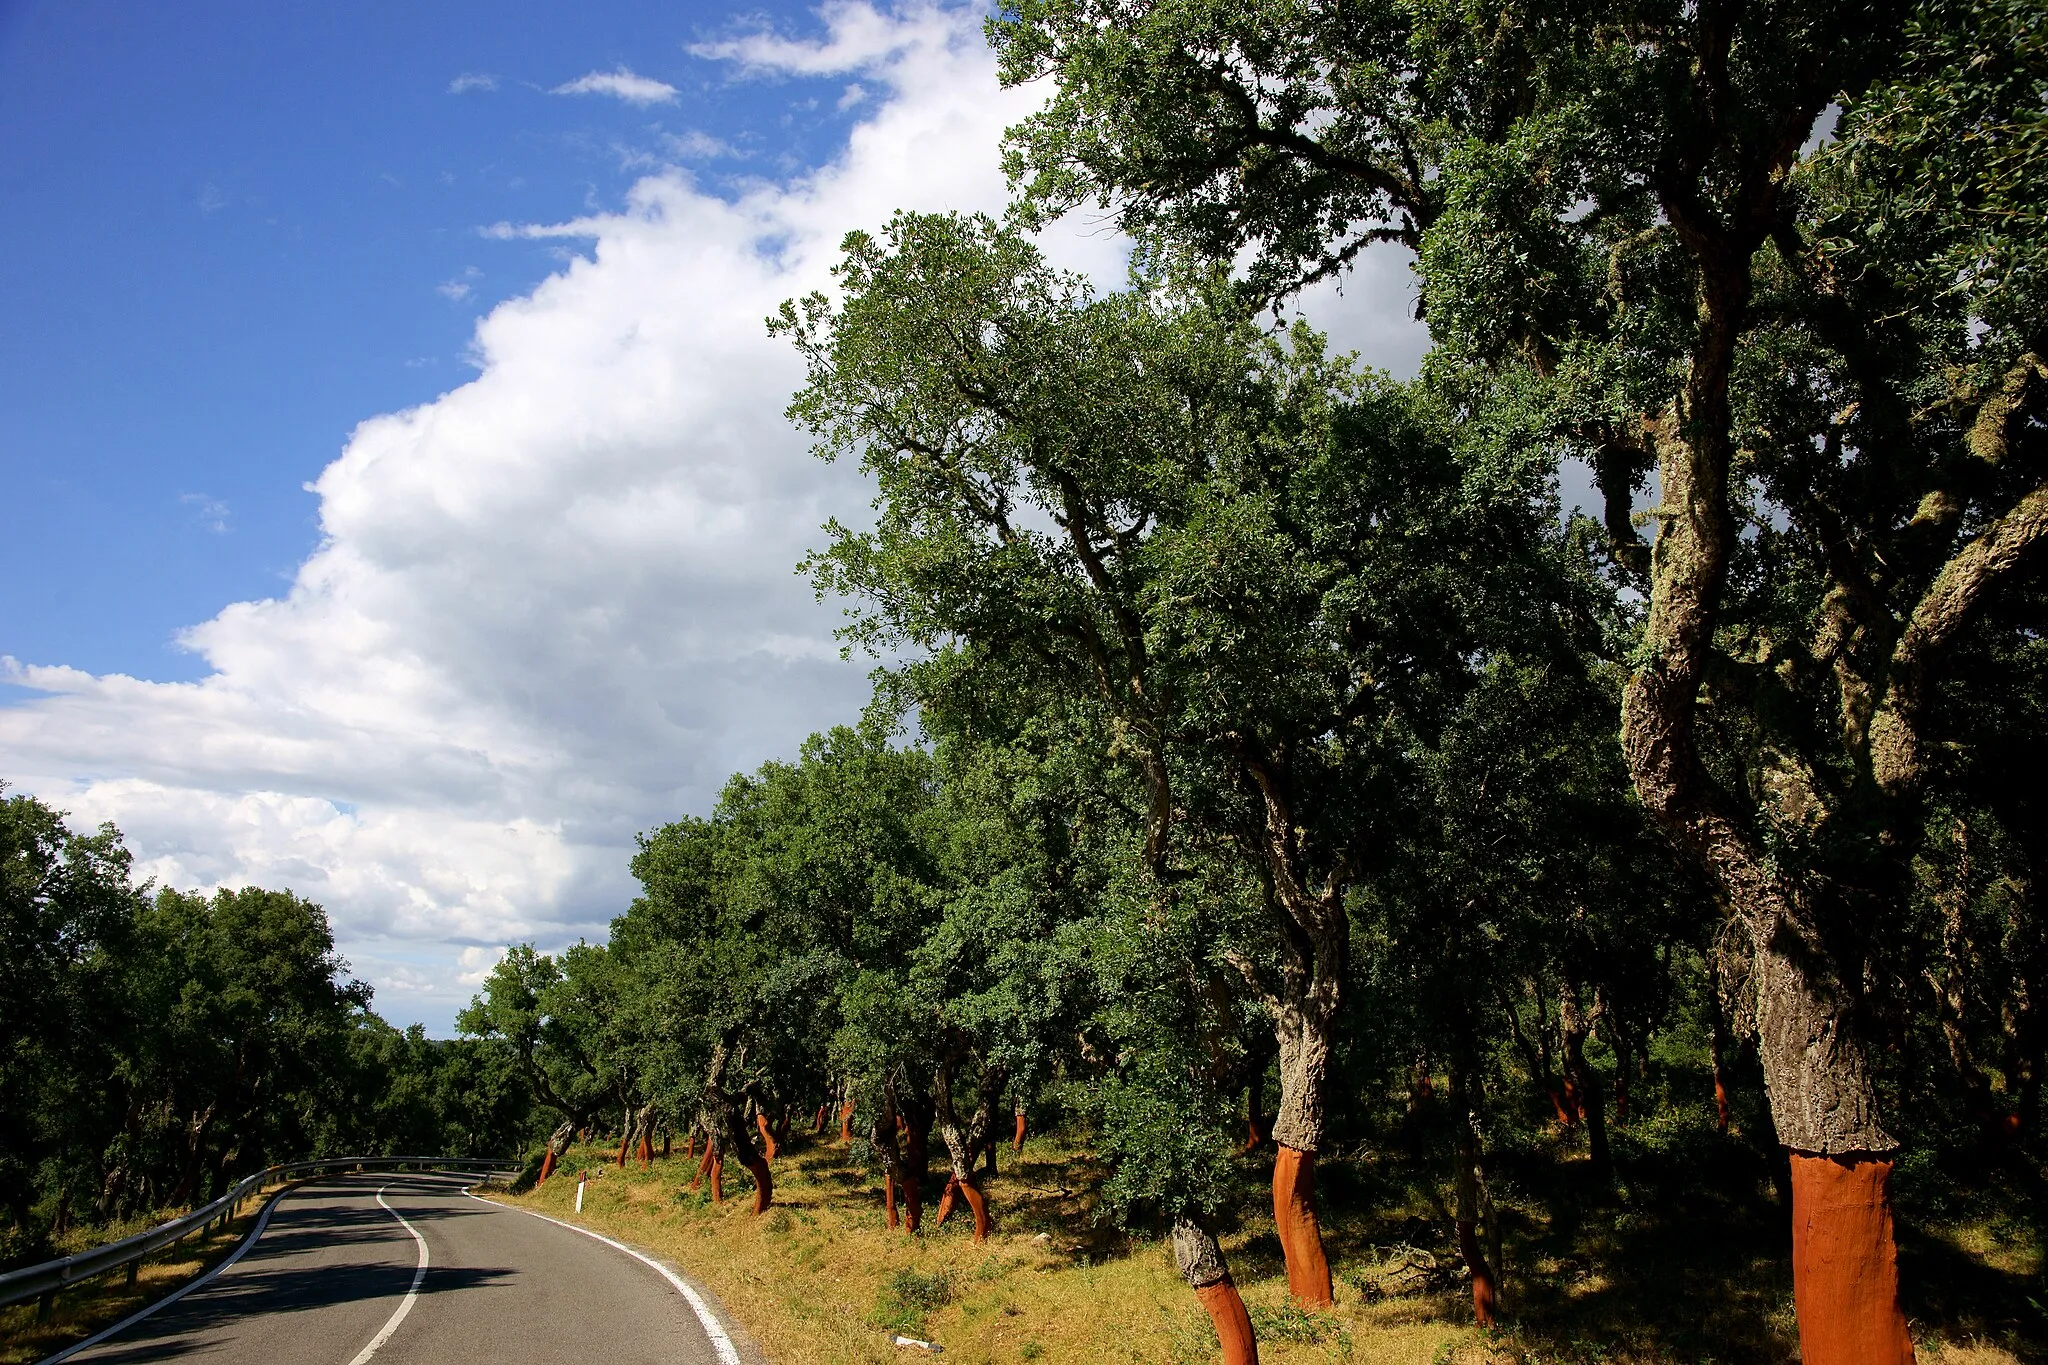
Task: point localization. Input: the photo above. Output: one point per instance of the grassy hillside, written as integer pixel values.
(1592, 1277)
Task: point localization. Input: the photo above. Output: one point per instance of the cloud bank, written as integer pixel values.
(557, 605)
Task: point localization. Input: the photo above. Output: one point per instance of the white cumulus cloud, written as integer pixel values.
(620, 84)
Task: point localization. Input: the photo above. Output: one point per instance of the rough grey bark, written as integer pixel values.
(1816, 1074)
(1196, 1254)
(1304, 1076)
(964, 1140)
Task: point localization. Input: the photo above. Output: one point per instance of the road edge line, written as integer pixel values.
(262, 1222)
(721, 1341)
(419, 1273)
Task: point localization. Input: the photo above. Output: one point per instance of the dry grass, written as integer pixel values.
(80, 1311)
(820, 1281)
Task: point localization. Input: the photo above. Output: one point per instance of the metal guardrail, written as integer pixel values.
(38, 1281)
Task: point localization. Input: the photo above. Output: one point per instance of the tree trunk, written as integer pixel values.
(846, 1123)
(1845, 1271)
(1257, 1132)
(719, 1115)
(964, 1141)
(914, 1110)
(1824, 1107)
(1718, 1043)
(1582, 1085)
(1017, 1145)
(1473, 1202)
(883, 1134)
(558, 1143)
(1304, 1046)
(767, 1134)
(1200, 1262)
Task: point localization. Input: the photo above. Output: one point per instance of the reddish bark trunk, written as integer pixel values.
(819, 1126)
(703, 1166)
(625, 1141)
(764, 1183)
(946, 1202)
(1018, 1144)
(889, 1199)
(646, 1148)
(1301, 1237)
(1485, 1298)
(1721, 1099)
(767, 1133)
(1564, 1115)
(846, 1122)
(690, 1144)
(978, 1202)
(1225, 1307)
(1845, 1271)
(717, 1167)
(547, 1166)
(1257, 1132)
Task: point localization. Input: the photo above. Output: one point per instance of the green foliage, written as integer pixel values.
(906, 1296)
(162, 1044)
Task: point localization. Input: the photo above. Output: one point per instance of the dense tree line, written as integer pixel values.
(1275, 723)
(156, 1045)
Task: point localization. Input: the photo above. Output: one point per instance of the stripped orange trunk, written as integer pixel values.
(1200, 1262)
(1225, 1307)
(1301, 1236)
(846, 1122)
(1018, 1144)
(767, 1134)
(978, 1202)
(1485, 1298)
(1845, 1270)
(764, 1183)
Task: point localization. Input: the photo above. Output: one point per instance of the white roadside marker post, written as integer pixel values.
(579, 1193)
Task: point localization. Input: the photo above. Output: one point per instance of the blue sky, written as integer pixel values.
(235, 230)
(399, 506)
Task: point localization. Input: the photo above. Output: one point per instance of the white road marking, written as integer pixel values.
(262, 1222)
(728, 1354)
(405, 1305)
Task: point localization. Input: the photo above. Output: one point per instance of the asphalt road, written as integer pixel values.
(334, 1269)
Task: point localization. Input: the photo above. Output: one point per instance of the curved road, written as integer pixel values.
(335, 1266)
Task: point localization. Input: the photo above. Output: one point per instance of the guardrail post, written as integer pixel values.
(46, 1303)
(134, 1266)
